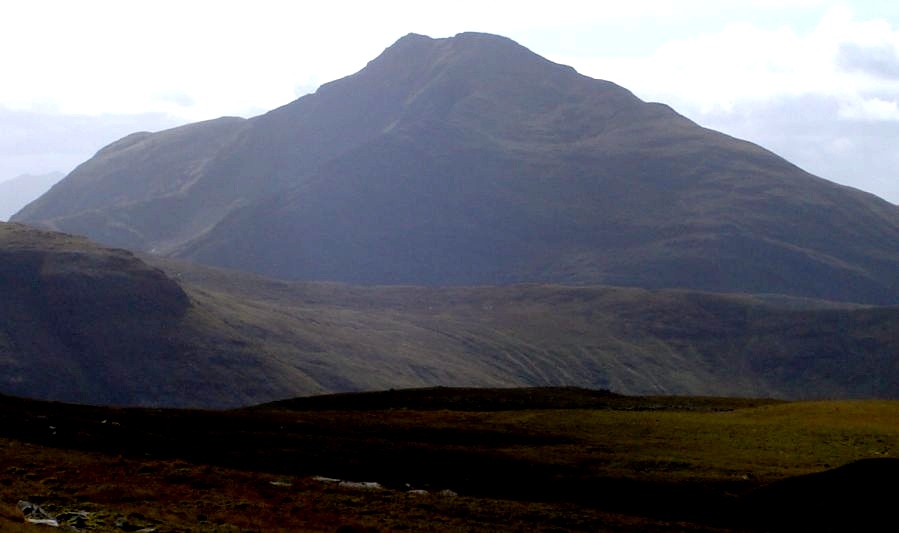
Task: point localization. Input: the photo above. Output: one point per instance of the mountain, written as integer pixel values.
(89, 324)
(471, 160)
(19, 192)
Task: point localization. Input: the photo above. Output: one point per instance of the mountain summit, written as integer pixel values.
(472, 160)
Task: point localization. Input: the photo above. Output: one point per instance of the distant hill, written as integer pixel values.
(83, 323)
(471, 160)
(18, 192)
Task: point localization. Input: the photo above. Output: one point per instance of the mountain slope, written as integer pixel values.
(76, 317)
(622, 339)
(472, 160)
(83, 323)
(139, 192)
(18, 192)
(89, 324)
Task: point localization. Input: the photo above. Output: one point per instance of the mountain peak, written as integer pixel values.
(456, 79)
(472, 38)
(410, 39)
(464, 38)
(478, 54)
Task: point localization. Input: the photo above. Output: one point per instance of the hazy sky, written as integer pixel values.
(816, 81)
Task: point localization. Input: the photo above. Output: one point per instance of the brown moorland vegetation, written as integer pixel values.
(536, 460)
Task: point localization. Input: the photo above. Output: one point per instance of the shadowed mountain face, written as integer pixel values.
(78, 321)
(471, 160)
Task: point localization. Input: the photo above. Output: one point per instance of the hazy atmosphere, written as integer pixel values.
(816, 81)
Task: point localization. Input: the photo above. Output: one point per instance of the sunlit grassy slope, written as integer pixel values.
(636, 341)
(653, 438)
(764, 443)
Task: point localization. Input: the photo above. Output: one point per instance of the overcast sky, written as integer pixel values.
(816, 81)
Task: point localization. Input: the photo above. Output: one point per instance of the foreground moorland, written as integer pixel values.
(456, 459)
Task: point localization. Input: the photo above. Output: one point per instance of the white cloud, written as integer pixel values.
(40, 142)
(869, 109)
(842, 145)
(743, 62)
(880, 60)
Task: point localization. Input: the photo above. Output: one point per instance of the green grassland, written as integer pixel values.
(517, 460)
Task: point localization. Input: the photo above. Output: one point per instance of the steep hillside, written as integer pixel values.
(89, 324)
(81, 322)
(471, 160)
(84, 323)
(625, 340)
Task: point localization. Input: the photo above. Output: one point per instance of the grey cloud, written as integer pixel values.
(19, 192)
(881, 61)
(808, 132)
(35, 142)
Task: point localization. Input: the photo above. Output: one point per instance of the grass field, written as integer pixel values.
(623, 464)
